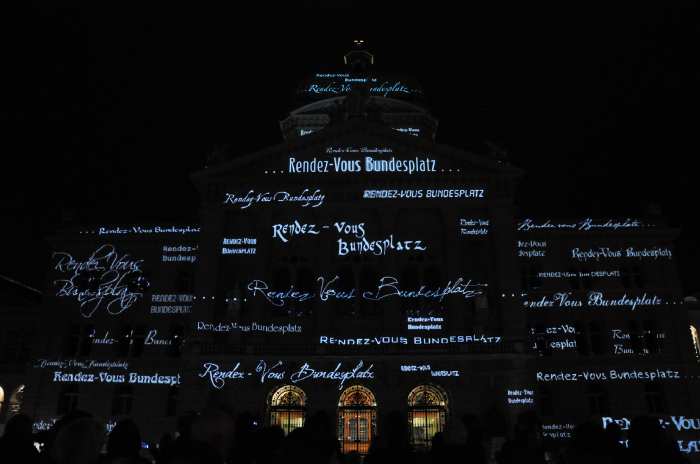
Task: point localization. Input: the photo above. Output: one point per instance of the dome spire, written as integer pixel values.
(359, 58)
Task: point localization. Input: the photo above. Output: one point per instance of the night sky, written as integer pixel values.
(105, 112)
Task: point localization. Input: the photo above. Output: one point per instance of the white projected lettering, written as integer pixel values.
(587, 224)
(239, 246)
(425, 368)
(339, 165)
(607, 253)
(105, 278)
(179, 253)
(284, 232)
(520, 396)
(139, 230)
(177, 303)
(282, 329)
(398, 340)
(408, 130)
(608, 375)
(674, 423)
(345, 85)
(578, 274)
(278, 372)
(84, 364)
(473, 227)
(558, 431)
(677, 423)
(306, 198)
(424, 322)
(594, 300)
(412, 194)
(532, 248)
(388, 287)
(111, 378)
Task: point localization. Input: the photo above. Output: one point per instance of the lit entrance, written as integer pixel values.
(427, 411)
(287, 408)
(357, 419)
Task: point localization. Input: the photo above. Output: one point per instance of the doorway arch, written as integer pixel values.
(287, 408)
(357, 419)
(427, 414)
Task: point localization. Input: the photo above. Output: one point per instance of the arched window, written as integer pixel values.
(14, 403)
(287, 407)
(123, 401)
(598, 401)
(2, 399)
(67, 399)
(655, 398)
(696, 341)
(357, 419)
(171, 401)
(427, 413)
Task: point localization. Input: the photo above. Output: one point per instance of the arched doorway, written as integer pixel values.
(287, 407)
(357, 419)
(427, 414)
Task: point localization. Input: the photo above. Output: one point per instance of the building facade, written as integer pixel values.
(360, 268)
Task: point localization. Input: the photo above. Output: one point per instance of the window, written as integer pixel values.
(86, 340)
(582, 339)
(598, 402)
(427, 411)
(545, 402)
(541, 341)
(171, 401)
(71, 342)
(123, 400)
(177, 338)
(651, 337)
(14, 403)
(124, 342)
(655, 398)
(2, 399)
(636, 338)
(138, 341)
(287, 408)
(357, 419)
(67, 399)
(597, 339)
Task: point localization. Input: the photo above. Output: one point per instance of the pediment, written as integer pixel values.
(356, 149)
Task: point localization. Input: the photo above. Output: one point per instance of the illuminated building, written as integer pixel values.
(360, 268)
(19, 311)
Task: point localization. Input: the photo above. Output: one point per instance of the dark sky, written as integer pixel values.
(106, 110)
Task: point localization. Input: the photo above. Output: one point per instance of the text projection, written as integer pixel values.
(586, 224)
(594, 300)
(603, 253)
(684, 430)
(141, 230)
(305, 198)
(171, 303)
(352, 238)
(219, 375)
(520, 396)
(473, 227)
(327, 85)
(104, 372)
(428, 194)
(428, 369)
(611, 375)
(332, 289)
(338, 165)
(105, 279)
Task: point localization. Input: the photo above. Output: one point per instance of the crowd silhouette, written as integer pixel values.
(217, 437)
